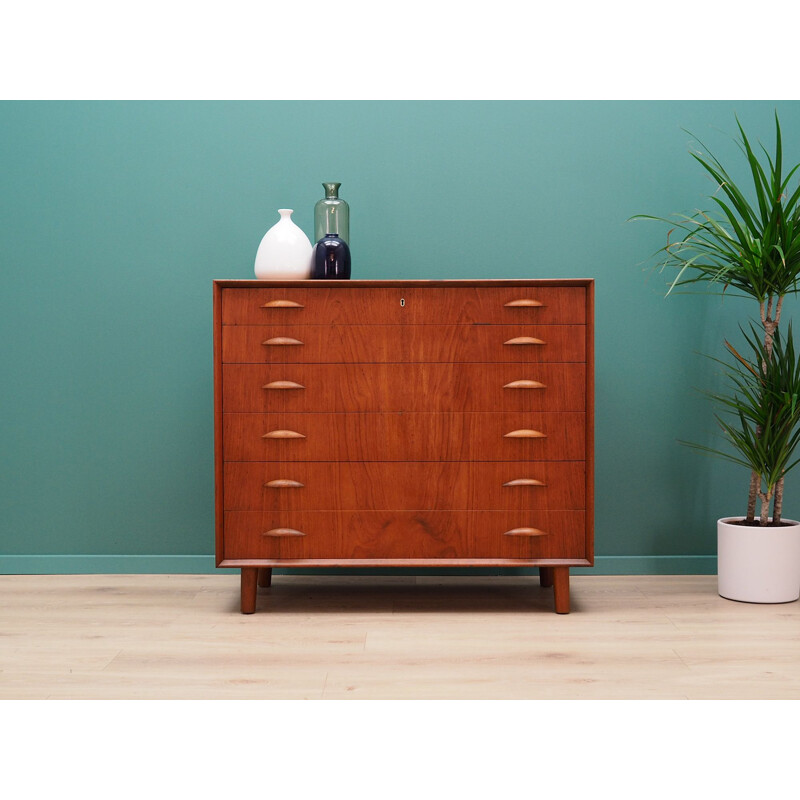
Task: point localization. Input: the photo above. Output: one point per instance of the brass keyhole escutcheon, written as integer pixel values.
(402, 301)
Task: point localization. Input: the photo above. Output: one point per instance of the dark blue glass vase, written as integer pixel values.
(331, 258)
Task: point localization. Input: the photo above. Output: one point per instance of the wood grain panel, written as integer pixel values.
(403, 387)
(404, 534)
(411, 485)
(400, 436)
(324, 304)
(352, 344)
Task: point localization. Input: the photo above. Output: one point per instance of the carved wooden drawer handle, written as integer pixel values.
(283, 483)
(283, 532)
(524, 482)
(525, 532)
(283, 385)
(281, 340)
(524, 384)
(524, 433)
(282, 304)
(283, 435)
(524, 340)
(524, 303)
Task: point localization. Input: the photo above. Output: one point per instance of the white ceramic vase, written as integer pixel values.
(284, 252)
(758, 565)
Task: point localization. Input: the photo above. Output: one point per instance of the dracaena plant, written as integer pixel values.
(749, 245)
(760, 414)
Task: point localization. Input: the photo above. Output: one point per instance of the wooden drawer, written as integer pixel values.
(353, 344)
(352, 304)
(410, 485)
(403, 437)
(404, 534)
(403, 387)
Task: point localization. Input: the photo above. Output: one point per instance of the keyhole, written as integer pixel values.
(402, 301)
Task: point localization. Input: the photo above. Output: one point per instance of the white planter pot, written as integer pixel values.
(758, 565)
(284, 252)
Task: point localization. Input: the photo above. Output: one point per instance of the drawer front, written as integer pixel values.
(403, 485)
(403, 387)
(353, 344)
(404, 437)
(404, 534)
(533, 305)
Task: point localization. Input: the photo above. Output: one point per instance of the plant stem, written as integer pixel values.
(778, 506)
(764, 508)
(755, 481)
(755, 478)
(770, 326)
(778, 310)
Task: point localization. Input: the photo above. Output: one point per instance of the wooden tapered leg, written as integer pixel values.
(561, 589)
(546, 577)
(249, 589)
(264, 577)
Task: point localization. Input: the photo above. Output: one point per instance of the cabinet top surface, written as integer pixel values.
(360, 284)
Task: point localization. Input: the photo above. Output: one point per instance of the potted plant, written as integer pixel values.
(749, 247)
(760, 419)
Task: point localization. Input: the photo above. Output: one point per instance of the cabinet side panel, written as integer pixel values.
(218, 471)
(590, 422)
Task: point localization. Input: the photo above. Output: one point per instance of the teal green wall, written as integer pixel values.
(116, 216)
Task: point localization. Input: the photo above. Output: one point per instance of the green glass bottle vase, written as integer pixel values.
(332, 214)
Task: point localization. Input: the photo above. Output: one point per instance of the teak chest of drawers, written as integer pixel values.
(404, 423)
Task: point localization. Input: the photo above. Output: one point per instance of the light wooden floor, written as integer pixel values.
(181, 636)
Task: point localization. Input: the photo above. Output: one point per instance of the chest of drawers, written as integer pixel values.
(403, 423)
